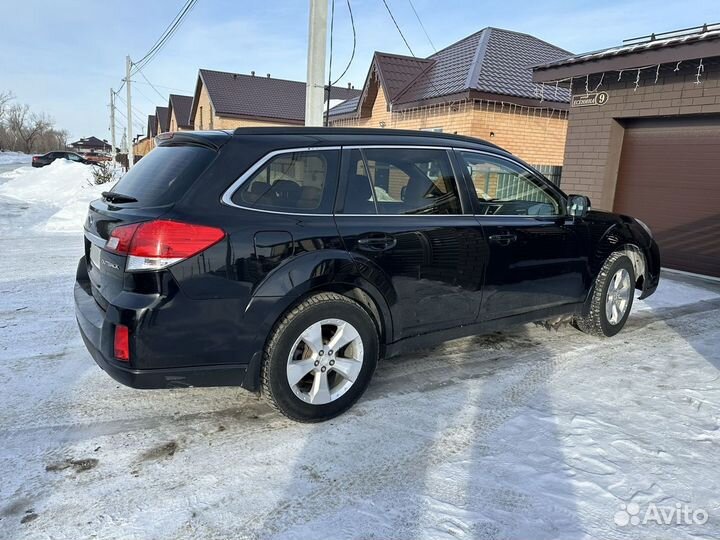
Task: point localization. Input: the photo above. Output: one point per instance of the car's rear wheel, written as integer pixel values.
(612, 298)
(320, 358)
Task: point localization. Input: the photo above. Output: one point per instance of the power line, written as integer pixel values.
(183, 90)
(153, 102)
(352, 55)
(329, 88)
(137, 115)
(398, 27)
(162, 40)
(165, 37)
(152, 86)
(429, 80)
(422, 25)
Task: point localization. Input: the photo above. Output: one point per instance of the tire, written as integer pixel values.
(319, 395)
(595, 319)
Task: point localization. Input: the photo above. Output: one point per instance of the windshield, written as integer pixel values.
(165, 174)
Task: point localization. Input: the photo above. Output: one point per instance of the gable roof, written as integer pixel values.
(396, 71)
(237, 95)
(181, 106)
(90, 142)
(151, 125)
(491, 61)
(161, 113)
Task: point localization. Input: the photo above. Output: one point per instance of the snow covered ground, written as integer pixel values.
(56, 195)
(522, 434)
(12, 160)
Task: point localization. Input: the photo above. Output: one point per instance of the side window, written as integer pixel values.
(506, 189)
(73, 157)
(400, 181)
(302, 182)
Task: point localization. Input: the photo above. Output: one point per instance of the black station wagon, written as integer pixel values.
(290, 260)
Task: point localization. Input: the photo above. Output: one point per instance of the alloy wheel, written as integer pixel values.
(325, 361)
(618, 294)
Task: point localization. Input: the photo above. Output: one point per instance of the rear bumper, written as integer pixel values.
(97, 333)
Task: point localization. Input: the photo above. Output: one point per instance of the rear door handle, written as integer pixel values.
(503, 239)
(376, 243)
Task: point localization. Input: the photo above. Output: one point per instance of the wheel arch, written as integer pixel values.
(619, 237)
(268, 310)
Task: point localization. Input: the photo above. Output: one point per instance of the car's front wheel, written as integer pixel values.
(320, 358)
(611, 300)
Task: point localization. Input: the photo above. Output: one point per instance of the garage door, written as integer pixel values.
(669, 177)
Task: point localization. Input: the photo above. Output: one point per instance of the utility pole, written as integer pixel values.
(113, 150)
(131, 153)
(315, 89)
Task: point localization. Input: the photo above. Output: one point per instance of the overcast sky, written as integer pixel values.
(63, 57)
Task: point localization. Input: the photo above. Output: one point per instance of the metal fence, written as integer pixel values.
(551, 172)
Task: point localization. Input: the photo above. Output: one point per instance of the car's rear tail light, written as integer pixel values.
(119, 241)
(121, 346)
(156, 244)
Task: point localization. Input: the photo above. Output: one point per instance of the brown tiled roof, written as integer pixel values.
(396, 71)
(163, 119)
(181, 105)
(491, 61)
(91, 142)
(152, 125)
(234, 94)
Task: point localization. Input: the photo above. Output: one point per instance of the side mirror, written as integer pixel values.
(578, 205)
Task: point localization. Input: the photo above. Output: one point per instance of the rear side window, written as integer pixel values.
(301, 182)
(400, 181)
(165, 174)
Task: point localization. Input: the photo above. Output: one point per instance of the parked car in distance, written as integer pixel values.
(291, 260)
(96, 157)
(47, 159)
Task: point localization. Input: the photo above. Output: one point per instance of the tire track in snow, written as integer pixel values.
(492, 410)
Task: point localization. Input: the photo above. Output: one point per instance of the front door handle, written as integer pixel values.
(503, 239)
(376, 243)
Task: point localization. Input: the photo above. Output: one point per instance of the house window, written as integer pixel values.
(210, 120)
(201, 118)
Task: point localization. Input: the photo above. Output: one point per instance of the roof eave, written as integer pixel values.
(479, 95)
(625, 60)
(278, 120)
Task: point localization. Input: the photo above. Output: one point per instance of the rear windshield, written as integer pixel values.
(165, 174)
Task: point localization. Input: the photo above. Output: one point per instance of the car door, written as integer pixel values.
(411, 233)
(537, 252)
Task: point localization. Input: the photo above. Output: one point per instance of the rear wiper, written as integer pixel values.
(117, 197)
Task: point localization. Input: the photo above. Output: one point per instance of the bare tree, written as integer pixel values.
(5, 98)
(23, 130)
(27, 126)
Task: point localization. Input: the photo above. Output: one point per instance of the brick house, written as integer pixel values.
(143, 145)
(480, 86)
(162, 116)
(229, 100)
(90, 144)
(179, 112)
(644, 137)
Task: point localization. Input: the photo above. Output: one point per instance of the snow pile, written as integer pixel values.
(9, 158)
(63, 187)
